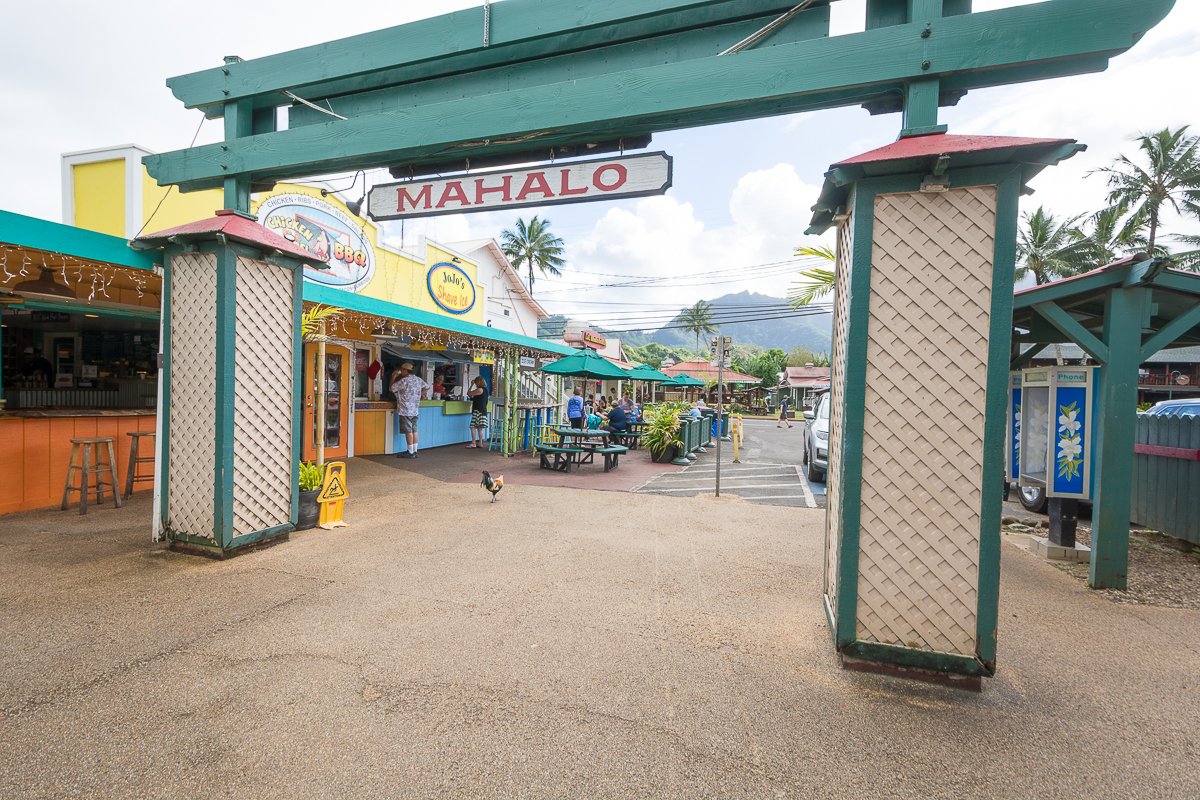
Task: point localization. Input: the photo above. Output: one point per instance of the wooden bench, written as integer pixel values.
(563, 456)
(611, 453)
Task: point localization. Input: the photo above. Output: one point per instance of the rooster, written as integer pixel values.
(493, 485)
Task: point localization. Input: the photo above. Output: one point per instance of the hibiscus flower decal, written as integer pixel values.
(1070, 442)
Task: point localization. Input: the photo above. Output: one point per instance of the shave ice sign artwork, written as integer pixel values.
(327, 233)
(1071, 440)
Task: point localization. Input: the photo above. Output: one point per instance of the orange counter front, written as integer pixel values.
(35, 448)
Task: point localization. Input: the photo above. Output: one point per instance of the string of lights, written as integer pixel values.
(78, 275)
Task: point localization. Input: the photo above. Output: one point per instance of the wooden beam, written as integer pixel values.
(416, 88)
(672, 95)
(520, 29)
(1070, 327)
(1170, 332)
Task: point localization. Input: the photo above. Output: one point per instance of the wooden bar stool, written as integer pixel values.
(91, 457)
(134, 475)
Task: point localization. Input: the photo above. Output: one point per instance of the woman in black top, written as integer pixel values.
(479, 417)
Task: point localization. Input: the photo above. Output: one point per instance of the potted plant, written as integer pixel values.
(661, 434)
(311, 477)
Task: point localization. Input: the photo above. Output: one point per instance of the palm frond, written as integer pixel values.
(817, 251)
(312, 321)
(818, 284)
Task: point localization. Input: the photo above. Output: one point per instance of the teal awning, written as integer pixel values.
(54, 237)
(489, 337)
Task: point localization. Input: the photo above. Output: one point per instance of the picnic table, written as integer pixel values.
(580, 446)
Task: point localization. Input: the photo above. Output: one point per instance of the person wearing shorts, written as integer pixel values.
(409, 389)
(575, 410)
(479, 418)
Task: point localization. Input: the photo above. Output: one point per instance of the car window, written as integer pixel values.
(823, 407)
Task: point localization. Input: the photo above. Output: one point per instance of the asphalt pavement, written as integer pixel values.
(768, 470)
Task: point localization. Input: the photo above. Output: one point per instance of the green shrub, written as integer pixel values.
(662, 427)
(311, 476)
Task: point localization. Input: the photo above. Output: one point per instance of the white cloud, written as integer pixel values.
(664, 237)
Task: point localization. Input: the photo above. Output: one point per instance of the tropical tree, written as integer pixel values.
(1049, 248)
(1169, 179)
(817, 281)
(1107, 240)
(532, 245)
(698, 319)
(765, 366)
(799, 356)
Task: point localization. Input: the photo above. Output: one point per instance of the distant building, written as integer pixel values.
(1165, 375)
(802, 384)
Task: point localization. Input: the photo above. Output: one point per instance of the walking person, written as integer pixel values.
(409, 389)
(479, 416)
(785, 403)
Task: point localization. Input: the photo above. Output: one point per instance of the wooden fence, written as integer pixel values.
(1166, 476)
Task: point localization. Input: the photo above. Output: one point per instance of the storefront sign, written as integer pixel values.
(528, 363)
(325, 231)
(574, 182)
(593, 338)
(483, 357)
(451, 288)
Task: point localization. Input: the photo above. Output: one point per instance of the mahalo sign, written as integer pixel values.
(574, 182)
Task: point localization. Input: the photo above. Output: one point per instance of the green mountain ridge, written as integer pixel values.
(741, 316)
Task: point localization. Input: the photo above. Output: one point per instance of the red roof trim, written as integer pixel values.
(235, 226)
(938, 144)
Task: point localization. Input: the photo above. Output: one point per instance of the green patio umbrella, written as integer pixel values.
(586, 364)
(648, 374)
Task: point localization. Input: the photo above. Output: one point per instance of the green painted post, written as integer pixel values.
(921, 108)
(239, 122)
(1117, 407)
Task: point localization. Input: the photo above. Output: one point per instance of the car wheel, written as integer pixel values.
(1033, 499)
(804, 457)
(812, 472)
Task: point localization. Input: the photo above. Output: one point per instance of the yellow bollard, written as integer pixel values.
(333, 496)
(737, 437)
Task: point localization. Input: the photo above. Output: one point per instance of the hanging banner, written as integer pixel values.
(547, 185)
(483, 357)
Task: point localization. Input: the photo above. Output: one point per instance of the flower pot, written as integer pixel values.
(307, 516)
(664, 456)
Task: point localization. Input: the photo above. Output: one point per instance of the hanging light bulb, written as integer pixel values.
(43, 285)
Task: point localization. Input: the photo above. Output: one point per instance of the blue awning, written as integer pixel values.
(489, 337)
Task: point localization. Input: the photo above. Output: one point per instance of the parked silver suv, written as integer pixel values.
(816, 438)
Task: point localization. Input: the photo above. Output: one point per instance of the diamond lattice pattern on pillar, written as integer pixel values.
(262, 417)
(837, 385)
(192, 395)
(923, 427)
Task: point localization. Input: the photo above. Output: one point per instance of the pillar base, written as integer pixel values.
(969, 683)
(209, 551)
(1044, 548)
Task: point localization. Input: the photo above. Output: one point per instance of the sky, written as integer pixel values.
(83, 75)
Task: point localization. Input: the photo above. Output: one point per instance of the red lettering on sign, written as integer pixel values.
(622, 177)
(425, 195)
(535, 183)
(566, 189)
(481, 191)
(454, 193)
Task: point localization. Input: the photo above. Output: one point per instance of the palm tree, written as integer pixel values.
(1108, 240)
(818, 281)
(1048, 248)
(533, 245)
(1171, 178)
(698, 319)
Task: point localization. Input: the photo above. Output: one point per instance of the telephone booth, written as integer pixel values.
(1052, 430)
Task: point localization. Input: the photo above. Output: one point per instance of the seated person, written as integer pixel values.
(594, 421)
(617, 421)
(695, 412)
(626, 404)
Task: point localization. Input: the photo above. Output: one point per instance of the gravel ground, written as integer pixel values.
(1163, 571)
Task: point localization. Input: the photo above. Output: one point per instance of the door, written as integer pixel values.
(336, 400)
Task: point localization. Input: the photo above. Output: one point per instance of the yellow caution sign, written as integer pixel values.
(333, 496)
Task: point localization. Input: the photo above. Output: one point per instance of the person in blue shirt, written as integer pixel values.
(575, 409)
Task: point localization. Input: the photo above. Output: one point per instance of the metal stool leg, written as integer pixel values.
(112, 470)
